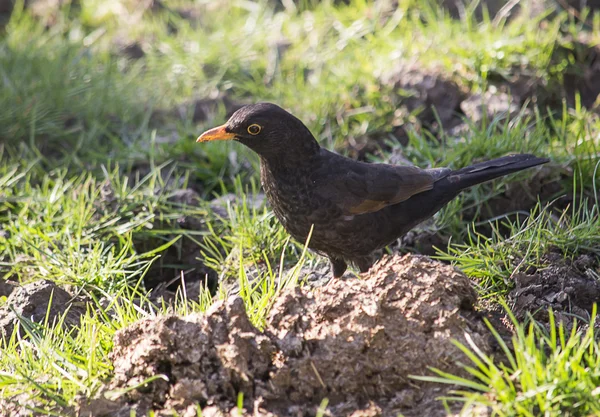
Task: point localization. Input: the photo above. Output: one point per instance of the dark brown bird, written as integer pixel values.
(355, 207)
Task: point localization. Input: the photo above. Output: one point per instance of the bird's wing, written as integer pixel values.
(358, 188)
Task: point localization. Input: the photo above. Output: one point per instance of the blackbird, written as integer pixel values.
(353, 207)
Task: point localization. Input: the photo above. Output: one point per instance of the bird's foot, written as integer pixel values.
(364, 264)
(338, 267)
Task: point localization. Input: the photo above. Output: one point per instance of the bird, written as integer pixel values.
(349, 208)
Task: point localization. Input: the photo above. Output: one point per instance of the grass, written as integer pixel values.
(546, 372)
(47, 367)
(96, 145)
(517, 247)
(79, 230)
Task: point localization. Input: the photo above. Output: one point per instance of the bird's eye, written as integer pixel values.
(254, 129)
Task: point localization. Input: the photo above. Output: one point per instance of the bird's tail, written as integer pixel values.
(488, 170)
(448, 184)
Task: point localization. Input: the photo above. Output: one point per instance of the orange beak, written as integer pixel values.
(217, 133)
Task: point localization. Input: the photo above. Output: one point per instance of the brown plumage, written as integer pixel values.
(355, 207)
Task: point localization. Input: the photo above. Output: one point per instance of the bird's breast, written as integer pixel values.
(298, 206)
(293, 200)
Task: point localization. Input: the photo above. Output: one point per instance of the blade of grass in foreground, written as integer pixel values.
(546, 374)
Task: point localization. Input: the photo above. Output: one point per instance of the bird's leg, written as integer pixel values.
(338, 267)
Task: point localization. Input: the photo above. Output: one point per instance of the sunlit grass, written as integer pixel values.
(551, 372)
(493, 260)
(93, 145)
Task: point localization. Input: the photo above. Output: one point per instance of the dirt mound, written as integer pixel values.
(354, 342)
(489, 105)
(207, 358)
(569, 288)
(7, 287)
(429, 94)
(31, 302)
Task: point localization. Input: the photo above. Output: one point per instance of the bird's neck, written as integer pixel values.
(291, 154)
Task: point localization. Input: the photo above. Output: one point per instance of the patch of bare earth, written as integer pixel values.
(38, 301)
(35, 302)
(355, 342)
(569, 288)
(424, 98)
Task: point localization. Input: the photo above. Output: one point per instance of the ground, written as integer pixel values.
(142, 272)
(354, 342)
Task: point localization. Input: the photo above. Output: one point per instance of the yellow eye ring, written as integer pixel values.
(254, 129)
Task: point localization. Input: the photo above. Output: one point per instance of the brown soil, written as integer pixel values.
(423, 98)
(423, 240)
(580, 58)
(570, 288)
(489, 105)
(429, 94)
(426, 97)
(354, 342)
(179, 263)
(7, 287)
(31, 302)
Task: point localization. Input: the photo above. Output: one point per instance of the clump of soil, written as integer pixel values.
(579, 61)
(489, 105)
(429, 94)
(31, 302)
(425, 239)
(132, 50)
(190, 198)
(206, 357)
(423, 98)
(569, 288)
(354, 342)
(219, 206)
(7, 287)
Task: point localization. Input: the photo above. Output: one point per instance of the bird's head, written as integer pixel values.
(268, 130)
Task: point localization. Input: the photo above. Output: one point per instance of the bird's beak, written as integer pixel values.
(217, 133)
